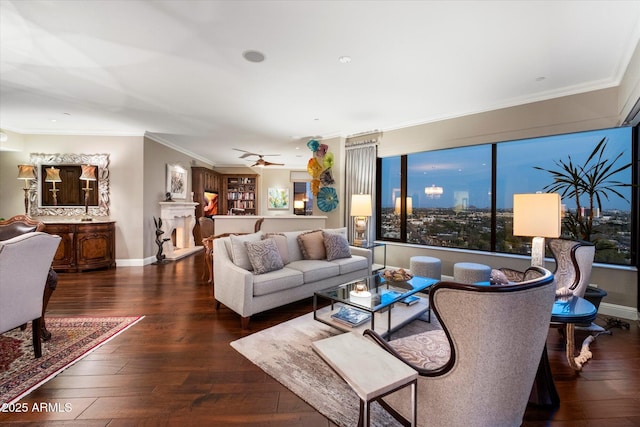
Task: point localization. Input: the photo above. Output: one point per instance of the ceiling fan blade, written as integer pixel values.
(246, 153)
(273, 164)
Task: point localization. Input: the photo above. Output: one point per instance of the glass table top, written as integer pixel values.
(374, 293)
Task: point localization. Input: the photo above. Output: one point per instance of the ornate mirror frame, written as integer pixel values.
(100, 160)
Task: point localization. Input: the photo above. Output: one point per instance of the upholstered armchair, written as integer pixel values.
(21, 224)
(480, 368)
(24, 262)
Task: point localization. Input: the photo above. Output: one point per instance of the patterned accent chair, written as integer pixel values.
(16, 226)
(24, 262)
(479, 369)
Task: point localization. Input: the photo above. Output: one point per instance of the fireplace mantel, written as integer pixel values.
(179, 216)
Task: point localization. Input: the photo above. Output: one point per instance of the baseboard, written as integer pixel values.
(134, 262)
(620, 311)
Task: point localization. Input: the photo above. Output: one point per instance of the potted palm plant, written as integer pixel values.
(590, 182)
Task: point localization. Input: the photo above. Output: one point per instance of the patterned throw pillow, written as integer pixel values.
(264, 256)
(281, 242)
(336, 246)
(498, 278)
(312, 245)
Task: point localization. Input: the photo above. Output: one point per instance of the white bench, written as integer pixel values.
(368, 369)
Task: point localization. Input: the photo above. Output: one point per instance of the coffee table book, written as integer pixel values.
(350, 316)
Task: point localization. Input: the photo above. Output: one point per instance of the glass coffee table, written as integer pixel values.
(373, 303)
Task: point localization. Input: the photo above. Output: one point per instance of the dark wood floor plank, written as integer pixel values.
(176, 366)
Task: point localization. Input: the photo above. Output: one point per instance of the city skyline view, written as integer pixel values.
(467, 170)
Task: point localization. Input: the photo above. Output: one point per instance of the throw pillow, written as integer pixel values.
(498, 278)
(281, 242)
(312, 245)
(341, 230)
(336, 246)
(264, 256)
(239, 251)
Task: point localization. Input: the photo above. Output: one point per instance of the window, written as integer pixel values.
(453, 197)
(390, 219)
(449, 192)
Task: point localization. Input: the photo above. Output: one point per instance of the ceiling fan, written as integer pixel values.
(261, 162)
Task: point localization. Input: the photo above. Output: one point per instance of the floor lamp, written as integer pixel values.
(361, 211)
(537, 215)
(28, 173)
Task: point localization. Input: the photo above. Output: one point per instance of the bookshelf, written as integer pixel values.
(241, 193)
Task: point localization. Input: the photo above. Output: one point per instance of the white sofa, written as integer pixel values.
(248, 293)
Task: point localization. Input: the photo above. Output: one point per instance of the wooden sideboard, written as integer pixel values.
(84, 245)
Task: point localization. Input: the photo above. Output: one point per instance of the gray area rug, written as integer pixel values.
(285, 353)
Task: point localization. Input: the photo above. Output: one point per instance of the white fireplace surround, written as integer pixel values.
(178, 216)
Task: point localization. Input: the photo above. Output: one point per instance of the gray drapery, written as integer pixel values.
(360, 173)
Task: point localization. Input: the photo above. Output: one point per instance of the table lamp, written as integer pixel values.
(361, 211)
(53, 176)
(28, 173)
(88, 174)
(537, 215)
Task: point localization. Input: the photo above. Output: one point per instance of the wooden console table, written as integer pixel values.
(84, 245)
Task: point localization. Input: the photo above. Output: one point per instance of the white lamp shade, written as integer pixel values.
(537, 215)
(361, 205)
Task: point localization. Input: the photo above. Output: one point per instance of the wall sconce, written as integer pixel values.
(53, 176)
(538, 216)
(409, 206)
(361, 211)
(88, 174)
(28, 173)
(433, 192)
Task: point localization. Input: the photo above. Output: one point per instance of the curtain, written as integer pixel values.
(360, 176)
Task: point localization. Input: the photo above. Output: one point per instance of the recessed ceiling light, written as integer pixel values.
(53, 120)
(253, 56)
(344, 59)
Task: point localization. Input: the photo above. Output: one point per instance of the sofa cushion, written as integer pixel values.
(315, 270)
(264, 256)
(281, 242)
(351, 264)
(275, 281)
(336, 246)
(312, 245)
(239, 254)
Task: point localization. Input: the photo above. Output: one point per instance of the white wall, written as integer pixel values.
(126, 178)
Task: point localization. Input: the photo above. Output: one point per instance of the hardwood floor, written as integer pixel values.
(176, 367)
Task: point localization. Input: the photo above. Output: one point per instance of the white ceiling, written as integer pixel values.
(175, 69)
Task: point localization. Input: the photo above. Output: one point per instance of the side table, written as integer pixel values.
(372, 246)
(369, 370)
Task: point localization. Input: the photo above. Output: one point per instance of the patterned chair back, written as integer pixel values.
(574, 260)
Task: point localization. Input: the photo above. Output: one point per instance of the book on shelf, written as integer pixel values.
(410, 300)
(350, 316)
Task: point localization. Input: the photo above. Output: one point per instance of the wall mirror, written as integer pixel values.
(69, 200)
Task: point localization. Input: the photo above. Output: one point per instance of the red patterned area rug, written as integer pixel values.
(72, 339)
